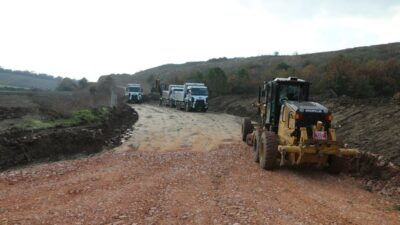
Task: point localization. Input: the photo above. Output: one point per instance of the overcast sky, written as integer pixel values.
(89, 38)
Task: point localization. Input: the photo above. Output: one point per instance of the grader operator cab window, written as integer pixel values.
(292, 92)
(277, 92)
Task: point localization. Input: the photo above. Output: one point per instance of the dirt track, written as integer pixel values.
(169, 172)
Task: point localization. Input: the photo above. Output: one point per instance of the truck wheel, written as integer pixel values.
(336, 164)
(246, 128)
(268, 151)
(256, 147)
(204, 110)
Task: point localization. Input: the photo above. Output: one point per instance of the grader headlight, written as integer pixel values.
(298, 116)
(328, 117)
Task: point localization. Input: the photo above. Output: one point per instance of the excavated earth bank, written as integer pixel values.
(18, 147)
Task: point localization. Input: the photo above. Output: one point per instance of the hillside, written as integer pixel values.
(26, 79)
(260, 67)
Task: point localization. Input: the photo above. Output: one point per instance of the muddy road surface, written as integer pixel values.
(164, 130)
(183, 168)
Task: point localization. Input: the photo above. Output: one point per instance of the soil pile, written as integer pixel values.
(239, 105)
(13, 112)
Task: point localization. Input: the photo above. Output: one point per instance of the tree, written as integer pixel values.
(282, 66)
(197, 77)
(151, 79)
(83, 83)
(243, 74)
(392, 71)
(67, 84)
(216, 80)
(240, 82)
(339, 72)
(106, 84)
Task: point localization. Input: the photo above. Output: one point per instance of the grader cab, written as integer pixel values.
(293, 130)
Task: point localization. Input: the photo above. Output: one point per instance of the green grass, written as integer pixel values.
(77, 118)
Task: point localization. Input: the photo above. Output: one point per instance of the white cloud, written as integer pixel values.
(90, 38)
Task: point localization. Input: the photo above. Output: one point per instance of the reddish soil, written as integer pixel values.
(144, 183)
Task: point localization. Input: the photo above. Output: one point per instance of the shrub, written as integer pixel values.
(77, 118)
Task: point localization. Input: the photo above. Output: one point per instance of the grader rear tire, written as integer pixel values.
(246, 128)
(268, 151)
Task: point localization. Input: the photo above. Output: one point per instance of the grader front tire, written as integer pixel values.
(256, 147)
(268, 151)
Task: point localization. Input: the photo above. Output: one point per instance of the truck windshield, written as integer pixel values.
(199, 91)
(133, 89)
(293, 92)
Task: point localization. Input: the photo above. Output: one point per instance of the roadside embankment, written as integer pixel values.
(20, 146)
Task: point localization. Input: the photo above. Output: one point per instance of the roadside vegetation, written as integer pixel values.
(80, 117)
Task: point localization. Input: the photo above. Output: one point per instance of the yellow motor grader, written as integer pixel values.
(292, 129)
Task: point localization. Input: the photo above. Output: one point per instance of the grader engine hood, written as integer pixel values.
(309, 114)
(307, 107)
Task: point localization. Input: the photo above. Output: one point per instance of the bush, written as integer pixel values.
(216, 81)
(67, 84)
(77, 118)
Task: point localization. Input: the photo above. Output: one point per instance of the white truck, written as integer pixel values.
(134, 93)
(168, 96)
(175, 91)
(193, 98)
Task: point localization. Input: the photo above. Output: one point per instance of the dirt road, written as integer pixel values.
(183, 168)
